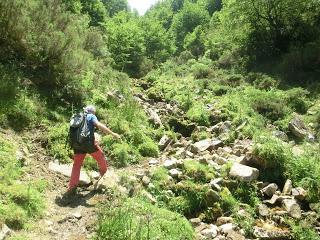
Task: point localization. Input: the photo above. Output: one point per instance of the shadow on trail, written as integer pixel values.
(78, 199)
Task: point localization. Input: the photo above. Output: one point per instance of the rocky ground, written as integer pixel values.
(76, 219)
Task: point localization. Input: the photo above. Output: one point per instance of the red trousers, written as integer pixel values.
(77, 163)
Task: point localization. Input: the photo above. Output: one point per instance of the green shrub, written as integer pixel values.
(201, 71)
(304, 171)
(228, 203)
(194, 194)
(197, 171)
(57, 138)
(13, 215)
(197, 113)
(302, 230)
(136, 219)
(123, 154)
(272, 155)
(148, 149)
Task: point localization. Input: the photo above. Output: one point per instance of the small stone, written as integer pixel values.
(212, 197)
(287, 187)
(226, 228)
(270, 189)
(77, 215)
(170, 163)
(299, 193)
(48, 222)
(274, 233)
(145, 180)
(210, 232)
(174, 173)
(148, 196)
(263, 210)
(232, 235)
(224, 220)
(221, 160)
(195, 221)
(164, 141)
(153, 162)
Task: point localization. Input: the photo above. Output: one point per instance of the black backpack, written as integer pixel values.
(80, 138)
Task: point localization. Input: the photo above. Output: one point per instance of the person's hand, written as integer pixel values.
(116, 136)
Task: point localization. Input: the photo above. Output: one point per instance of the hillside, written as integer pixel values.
(217, 104)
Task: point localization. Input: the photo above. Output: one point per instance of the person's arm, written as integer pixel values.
(105, 129)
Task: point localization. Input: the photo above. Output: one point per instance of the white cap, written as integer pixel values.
(89, 109)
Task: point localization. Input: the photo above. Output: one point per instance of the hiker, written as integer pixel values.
(94, 150)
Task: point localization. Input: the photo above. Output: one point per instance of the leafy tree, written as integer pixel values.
(96, 10)
(184, 22)
(126, 42)
(115, 6)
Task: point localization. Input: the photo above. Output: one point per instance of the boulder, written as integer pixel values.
(298, 128)
(226, 228)
(292, 207)
(153, 162)
(145, 180)
(244, 173)
(269, 190)
(65, 169)
(154, 117)
(281, 135)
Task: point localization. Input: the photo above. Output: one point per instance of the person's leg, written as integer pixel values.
(101, 160)
(75, 175)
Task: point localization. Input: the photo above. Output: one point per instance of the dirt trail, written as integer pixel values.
(74, 219)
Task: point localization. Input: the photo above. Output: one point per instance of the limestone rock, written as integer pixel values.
(164, 141)
(174, 173)
(4, 232)
(292, 207)
(263, 210)
(210, 232)
(145, 180)
(226, 228)
(224, 220)
(271, 234)
(154, 117)
(244, 173)
(212, 197)
(153, 162)
(170, 163)
(287, 187)
(66, 169)
(207, 144)
(299, 193)
(270, 189)
(298, 128)
(233, 235)
(195, 221)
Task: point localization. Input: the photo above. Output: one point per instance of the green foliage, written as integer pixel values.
(197, 113)
(18, 201)
(57, 142)
(228, 203)
(125, 42)
(304, 171)
(197, 171)
(148, 149)
(303, 231)
(137, 219)
(272, 155)
(194, 197)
